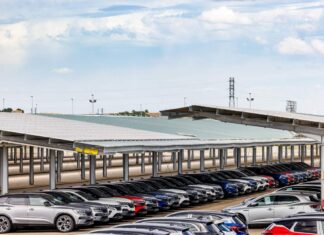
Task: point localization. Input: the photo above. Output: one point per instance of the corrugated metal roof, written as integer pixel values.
(71, 130)
(202, 129)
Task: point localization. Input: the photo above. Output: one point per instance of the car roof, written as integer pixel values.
(297, 193)
(201, 213)
(308, 214)
(301, 217)
(207, 221)
(166, 226)
(23, 194)
(137, 230)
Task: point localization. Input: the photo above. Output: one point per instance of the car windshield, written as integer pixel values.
(248, 172)
(104, 190)
(192, 179)
(142, 186)
(184, 180)
(239, 174)
(124, 189)
(217, 177)
(157, 184)
(134, 188)
(176, 182)
(88, 195)
(60, 196)
(113, 191)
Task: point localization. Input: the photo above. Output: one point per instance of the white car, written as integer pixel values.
(114, 206)
(267, 208)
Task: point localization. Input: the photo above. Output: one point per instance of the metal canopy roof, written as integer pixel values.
(300, 123)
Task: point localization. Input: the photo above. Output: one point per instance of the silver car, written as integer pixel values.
(36, 209)
(267, 208)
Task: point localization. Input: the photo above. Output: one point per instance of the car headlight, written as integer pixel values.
(81, 212)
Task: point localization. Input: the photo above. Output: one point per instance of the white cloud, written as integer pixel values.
(63, 70)
(318, 45)
(225, 15)
(293, 45)
(261, 40)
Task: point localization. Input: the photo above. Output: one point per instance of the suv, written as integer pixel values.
(38, 209)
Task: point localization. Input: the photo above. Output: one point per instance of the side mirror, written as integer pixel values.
(47, 204)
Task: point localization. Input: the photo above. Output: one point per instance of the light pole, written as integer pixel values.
(72, 106)
(32, 104)
(92, 101)
(250, 99)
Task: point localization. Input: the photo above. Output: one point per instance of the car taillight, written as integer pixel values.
(314, 206)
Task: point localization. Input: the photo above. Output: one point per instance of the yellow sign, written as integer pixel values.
(90, 151)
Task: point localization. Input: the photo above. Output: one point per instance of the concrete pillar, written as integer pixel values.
(78, 160)
(221, 156)
(31, 165)
(202, 160)
(180, 160)
(83, 168)
(245, 157)
(280, 153)
(92, 168)
(4, 170)
(41, 153)
(52, 170)
(15, 155)
(292, 153)
(110, 160)
(21, 160)
(213, 152)
(25, 152)
(154, 164)
(225, 156)
(303, 153)
(104, 166)
(137, 158)
(254, 155)
(143, 163)
(188, 159)
(174, 160)
(286, 152)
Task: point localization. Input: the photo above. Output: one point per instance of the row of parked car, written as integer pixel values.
(78, 206)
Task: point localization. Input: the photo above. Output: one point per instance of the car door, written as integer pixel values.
(38, 213)
(285, 205)
(16, 207)
(260, 210)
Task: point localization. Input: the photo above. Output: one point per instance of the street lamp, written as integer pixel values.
(32, 104)
(92, 101)
(250, 99)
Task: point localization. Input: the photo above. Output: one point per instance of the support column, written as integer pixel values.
(31, 165)
(154, 164)
(245, 157)
(143, 163)
(174, 160)
(59, 165)
(78, 160)
(322, 171)
(263, 153)
(312, 155)
(286, 152)
(225, 156)
(15, 155)
(280, 153)
(110, 160)
(4, 170)
(221, 155)
(254, 155)
(269, 154)
(92, 168)
(21, 160)
(104, 166)
(202, 160)
(292, 153)
(303, 153)
(159, 161)
(52, 171)
(83, 168)
(188, 159)
(41, 153)
(180, 160)
(237, 156)
(125, 166)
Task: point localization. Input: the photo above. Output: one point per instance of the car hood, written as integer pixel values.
(116, 199)
(173, 191)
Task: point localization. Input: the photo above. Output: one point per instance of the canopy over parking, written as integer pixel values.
(300, 123)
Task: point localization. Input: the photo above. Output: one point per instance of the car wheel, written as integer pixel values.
(5, 224)
(65, 223)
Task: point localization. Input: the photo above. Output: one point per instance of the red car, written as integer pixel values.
(310, 224)
(139, 203)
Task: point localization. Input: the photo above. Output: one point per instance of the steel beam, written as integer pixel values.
(52, 170)
(202, 160)
(154, 164)
(4, 170)
(41, 160)
(180, 160)
(92, 169)
(31, 165)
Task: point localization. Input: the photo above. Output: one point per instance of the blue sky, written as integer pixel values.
(154, 53)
